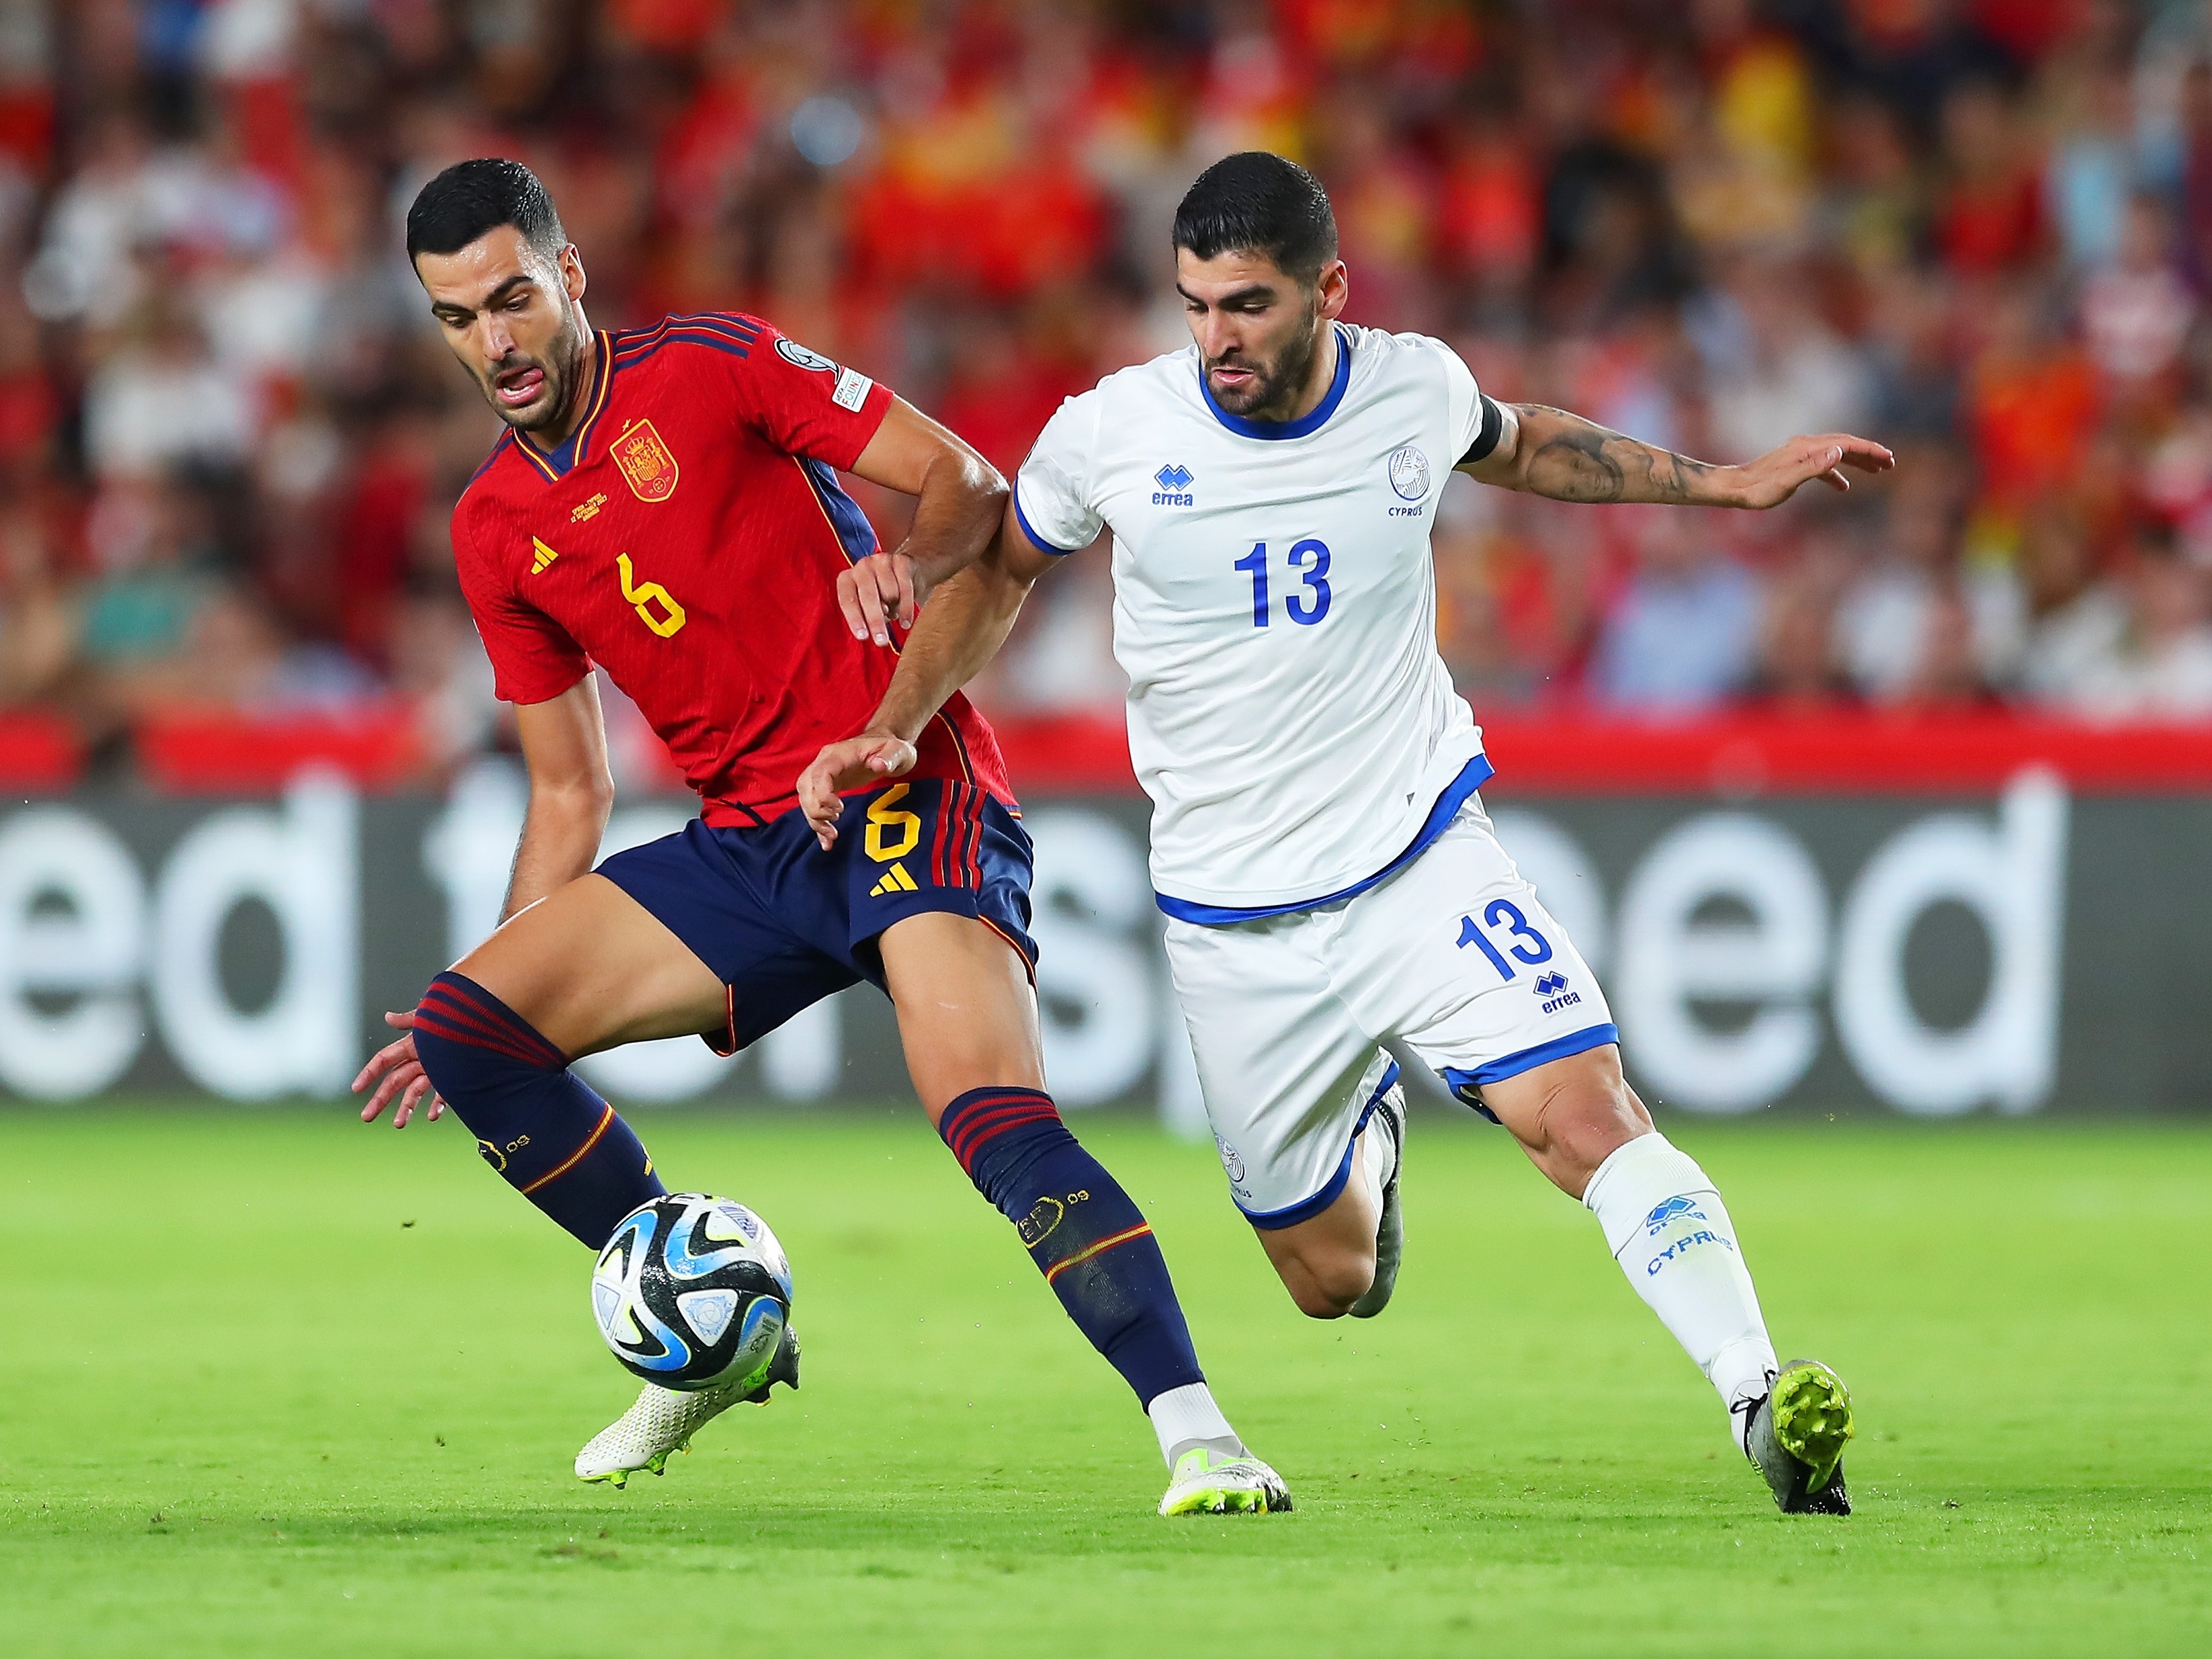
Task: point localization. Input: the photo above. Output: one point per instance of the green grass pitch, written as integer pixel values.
(271, 1382)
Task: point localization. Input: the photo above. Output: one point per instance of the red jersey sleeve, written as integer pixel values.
(803, 402)
(533, 660)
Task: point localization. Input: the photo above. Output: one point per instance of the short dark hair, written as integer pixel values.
(470, 198)
(1256, 202)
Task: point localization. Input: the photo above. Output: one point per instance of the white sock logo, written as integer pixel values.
(1662, 1219)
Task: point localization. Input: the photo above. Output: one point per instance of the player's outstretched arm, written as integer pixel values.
(1548, 452)
(962, 629)
(564, 746)
(961, 497)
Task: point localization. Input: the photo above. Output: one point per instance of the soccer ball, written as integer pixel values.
(692, 1292)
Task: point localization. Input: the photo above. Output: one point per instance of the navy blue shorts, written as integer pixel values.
(784, 924)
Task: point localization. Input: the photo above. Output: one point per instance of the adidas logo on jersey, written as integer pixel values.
(1173, 480)
(895, 880)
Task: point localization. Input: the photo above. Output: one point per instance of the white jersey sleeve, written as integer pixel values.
(1462, 401)
(1053, 493)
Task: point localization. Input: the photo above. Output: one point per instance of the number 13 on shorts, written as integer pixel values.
(1522, 942)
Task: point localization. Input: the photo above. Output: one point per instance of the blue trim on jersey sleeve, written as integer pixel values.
(855, 533)
(1472, 777)
(506, 437)
(1305, 423)
(1306, 1209)
(1497, 1071)
(1030, 530)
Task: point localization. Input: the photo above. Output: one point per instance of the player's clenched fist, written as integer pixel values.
(877, 592)
(856, 761)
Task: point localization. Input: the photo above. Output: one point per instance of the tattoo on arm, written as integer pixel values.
(1573, 459)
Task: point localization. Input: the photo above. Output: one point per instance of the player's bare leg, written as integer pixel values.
(592, 969)
(968, 1021)
(967, 1016)
(1334, 1263)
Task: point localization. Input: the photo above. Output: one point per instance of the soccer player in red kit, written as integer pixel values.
(664, 504)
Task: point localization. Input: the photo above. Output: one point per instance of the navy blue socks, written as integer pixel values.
(539, 1125)
(1086, 1235)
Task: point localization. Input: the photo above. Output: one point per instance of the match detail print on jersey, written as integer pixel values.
(646, 462)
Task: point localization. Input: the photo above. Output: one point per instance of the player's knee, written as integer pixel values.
(1586, 1128)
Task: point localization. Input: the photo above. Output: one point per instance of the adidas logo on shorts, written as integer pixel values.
(895, 880)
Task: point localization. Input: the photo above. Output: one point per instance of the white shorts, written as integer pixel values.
(1452, 956)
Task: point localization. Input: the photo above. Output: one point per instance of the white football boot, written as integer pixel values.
(661, 1421)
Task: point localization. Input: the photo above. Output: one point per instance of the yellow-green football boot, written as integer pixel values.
(1796, 1439)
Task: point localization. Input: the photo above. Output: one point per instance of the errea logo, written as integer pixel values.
(1551, 990)
(1173, 480)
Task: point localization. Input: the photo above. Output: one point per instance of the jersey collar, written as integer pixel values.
(555, 465)
(1313, 421)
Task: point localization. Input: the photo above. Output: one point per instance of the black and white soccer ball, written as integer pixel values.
(692, 1292)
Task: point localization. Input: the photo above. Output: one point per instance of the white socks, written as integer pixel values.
(1186, 1416)
(1667, 1226)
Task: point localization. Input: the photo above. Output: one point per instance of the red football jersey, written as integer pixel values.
(687, 538)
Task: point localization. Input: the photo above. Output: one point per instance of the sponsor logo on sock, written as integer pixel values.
(1656, 1223)
(497, 1156)
(1701, 1236)
(1040, 1223)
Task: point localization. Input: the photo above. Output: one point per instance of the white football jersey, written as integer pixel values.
(1275, 611)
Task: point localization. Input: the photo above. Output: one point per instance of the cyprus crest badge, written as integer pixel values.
(646, 462)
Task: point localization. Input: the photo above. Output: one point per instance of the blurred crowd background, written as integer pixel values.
(1977, 230)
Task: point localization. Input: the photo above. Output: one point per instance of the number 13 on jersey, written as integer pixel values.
(1308, 559)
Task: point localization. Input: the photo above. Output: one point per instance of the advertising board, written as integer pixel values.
(2020, 950)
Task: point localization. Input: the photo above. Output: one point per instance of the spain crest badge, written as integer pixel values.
(646, 462)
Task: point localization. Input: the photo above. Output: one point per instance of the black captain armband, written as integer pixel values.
(1493, 424)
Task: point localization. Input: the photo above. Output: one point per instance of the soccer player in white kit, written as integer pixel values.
(1318, 844)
